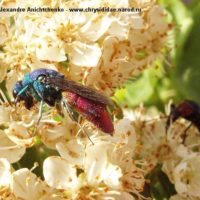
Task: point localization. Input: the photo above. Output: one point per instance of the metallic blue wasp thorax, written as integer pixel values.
(33, 76)
(26, 80)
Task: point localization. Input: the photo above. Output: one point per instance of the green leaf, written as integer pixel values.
(160, 186)
(140, 90)
(145, 89)
(183, 21)
(187, 72)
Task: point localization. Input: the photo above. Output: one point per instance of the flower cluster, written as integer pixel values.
(85, 46)
(176, 150)
(101, 50)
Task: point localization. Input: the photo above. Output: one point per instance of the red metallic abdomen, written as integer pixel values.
(94, 112)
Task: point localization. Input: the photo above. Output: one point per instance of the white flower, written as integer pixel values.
(124, 129)
(179, 197)
(97, 166)
(64, 178)
(35, 63)
(10, 150)
(19, 134)
(115, 195)
(26, 185)
(79, 186)
(80, 40)
(16, 134)
(53, 132)
(153, 139)
(118, 29)
(3, 33)
(112, 176)
(50, 51)
(86, 169)
(187, 176)
(5, 172)
(83, 54)
(71, 151)
(95, 27)
(182, 197)
(12, 78)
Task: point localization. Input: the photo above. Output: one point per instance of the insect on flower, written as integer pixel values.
(188, 110)
(45, 85)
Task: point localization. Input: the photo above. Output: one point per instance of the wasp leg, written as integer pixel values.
(66, 106)
(59, 109)
(185, 133)
(39, 117)
(168, 124)
(72, 117)
(81, 129)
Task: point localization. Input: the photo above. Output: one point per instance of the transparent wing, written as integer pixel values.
(72, 86)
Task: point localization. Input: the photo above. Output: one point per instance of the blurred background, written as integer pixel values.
(177, 77)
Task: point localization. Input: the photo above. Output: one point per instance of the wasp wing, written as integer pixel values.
(84, 91)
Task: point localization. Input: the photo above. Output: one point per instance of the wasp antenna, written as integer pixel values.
(185, 132)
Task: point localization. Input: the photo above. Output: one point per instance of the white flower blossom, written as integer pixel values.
(106, 164)
(186, 176)
(23, 184)
(80, 39)
(5, 172)
(10, 150)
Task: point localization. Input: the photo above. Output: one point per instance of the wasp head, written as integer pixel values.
(22, 96)
(173, 116)
(16, 90)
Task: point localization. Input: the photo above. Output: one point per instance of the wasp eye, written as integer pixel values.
(14, 92)
(41, 78)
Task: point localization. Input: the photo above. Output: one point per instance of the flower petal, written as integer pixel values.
(112, 176)
(5, 172)
(96, 162)
(71, 151)
(116, 195)
(83, 54)
(53, 52)
(19, 134)
(96, 27)
(9, 149)
(26, 185)
(187, 176)
(64, 178)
